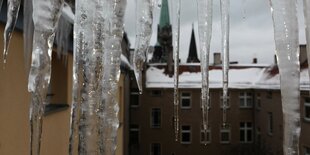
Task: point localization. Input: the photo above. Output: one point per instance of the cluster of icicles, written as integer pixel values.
(98, 32)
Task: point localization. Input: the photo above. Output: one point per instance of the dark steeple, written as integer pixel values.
(192, 54)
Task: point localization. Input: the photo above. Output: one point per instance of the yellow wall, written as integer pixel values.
(15, 100)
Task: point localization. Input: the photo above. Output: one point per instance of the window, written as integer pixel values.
(134, 98)
(269, 94)
(186, 100)
(306, 150)
(156, 93)
(228, 98)
(155, 118)
(258, 101)
(186, 134)
(134, 134)
(155, 149)
(246, 132)
(205, 138)
(225, 135)
(270, 123)
(246, 100)
(307, 109)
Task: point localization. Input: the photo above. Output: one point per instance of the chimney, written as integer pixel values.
(254, 61)
(217, 58)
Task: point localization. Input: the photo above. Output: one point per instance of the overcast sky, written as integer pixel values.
(251, 30)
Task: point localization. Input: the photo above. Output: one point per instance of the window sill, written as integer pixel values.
(225, 142)
(307, 120)
(54, 108)
(186, 143)
(246, 107)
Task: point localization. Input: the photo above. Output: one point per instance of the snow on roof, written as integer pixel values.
(253, 77)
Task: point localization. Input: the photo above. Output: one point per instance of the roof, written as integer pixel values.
(240, 77)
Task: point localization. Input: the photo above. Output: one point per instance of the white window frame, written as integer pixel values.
(186, 131)
(186, 97)
(306, 105)
(246, 130)
(135, 93)
(152, 124)
(228, 100)
(223, 130)
(206, 141)
(151, 148)
(245, 96)
(270, 125)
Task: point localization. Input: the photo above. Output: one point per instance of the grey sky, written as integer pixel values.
(251, 30)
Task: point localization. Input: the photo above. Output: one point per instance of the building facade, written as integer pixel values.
(254, 114)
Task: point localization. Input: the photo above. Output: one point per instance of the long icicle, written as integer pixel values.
(111, 74)
(100, 34)
(86, 83)
(284, 15)
(144, 23)
(45, 18)
(307, 24)
(28, 29)
(204, 12)
(176, 45)
(13, 9)
(225, 4)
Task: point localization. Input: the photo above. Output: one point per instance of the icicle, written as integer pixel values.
(176, 39)
(13, 9)
(62, 36)
(45, 18)
(28, 32)
(1, 2)
(225, 4)
(284, 14)
(86, 95)
(111, 74)
(144, 23)
(307, 23)
(205, 32)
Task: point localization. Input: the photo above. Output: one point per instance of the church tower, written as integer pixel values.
(163, 48)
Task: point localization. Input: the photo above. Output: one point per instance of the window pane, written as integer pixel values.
(186, 137)
(242, 138)
(186, 102)
(156, 117)
(249, 102)
(249, 135)
(186, 94)
(242, 102)
(307, 112)
(155, 149)
(156, 93)
(134, 99)
(225, 136)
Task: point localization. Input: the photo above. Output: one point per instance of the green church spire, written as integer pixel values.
(164, 14)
